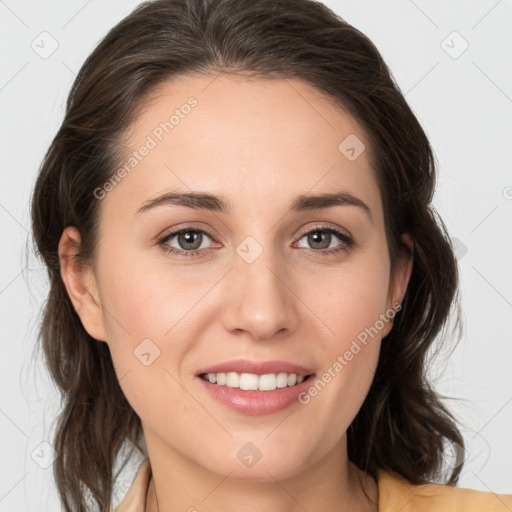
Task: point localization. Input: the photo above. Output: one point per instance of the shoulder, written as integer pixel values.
(135, 498)
(397, 493)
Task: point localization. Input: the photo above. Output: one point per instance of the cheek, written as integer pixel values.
(350, 305)
(348, 300)
(150, 312)
(143, 300)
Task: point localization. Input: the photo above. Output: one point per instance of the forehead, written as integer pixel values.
(249, 140)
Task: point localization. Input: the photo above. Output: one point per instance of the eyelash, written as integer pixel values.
(347, 241)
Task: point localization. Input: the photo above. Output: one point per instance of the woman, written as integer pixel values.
(208, 146)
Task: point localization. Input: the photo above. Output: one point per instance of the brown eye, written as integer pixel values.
(319, 239)
(190, 239)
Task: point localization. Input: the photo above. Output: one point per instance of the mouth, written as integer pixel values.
(255, 382)
(255, 387)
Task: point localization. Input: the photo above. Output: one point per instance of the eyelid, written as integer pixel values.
(184, 226)
(187, 226)
(327, 226)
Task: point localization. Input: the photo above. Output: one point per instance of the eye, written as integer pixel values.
(321, 238)
(189, 240)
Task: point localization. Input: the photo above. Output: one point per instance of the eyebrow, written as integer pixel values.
(217, 203)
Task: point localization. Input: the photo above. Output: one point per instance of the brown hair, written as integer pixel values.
(402, 424)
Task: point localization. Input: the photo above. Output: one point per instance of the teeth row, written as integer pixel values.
(253, 382)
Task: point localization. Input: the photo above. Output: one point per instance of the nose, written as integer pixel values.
(260, 298)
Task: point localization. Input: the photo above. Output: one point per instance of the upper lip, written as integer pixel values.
(257, 367)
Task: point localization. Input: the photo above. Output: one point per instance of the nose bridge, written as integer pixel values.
(260, 300)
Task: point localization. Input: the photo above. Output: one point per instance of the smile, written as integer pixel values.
(254, 382)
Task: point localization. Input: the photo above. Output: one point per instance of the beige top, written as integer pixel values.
(395, 494)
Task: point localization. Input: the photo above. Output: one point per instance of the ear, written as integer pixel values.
(400, 279)
(80, 283)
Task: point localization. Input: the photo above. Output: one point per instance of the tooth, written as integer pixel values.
(253, 382)
(249, 381)
(292, 379)
(267, 382)
(233, 380)
(282, 380)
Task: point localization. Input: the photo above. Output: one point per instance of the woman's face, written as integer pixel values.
(264, 281)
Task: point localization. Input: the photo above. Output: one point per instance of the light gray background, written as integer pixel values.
(465, 106)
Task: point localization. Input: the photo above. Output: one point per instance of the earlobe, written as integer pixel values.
(80, 284)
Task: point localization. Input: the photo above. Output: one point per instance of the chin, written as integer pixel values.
(251, 465)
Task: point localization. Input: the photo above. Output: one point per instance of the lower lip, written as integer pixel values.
(257, 403)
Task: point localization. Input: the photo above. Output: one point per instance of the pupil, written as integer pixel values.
(188, 238)
(317, 238)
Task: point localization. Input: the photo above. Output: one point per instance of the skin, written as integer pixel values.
(259, 144)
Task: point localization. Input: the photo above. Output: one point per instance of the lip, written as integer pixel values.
(256, 403)
(257, 367)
